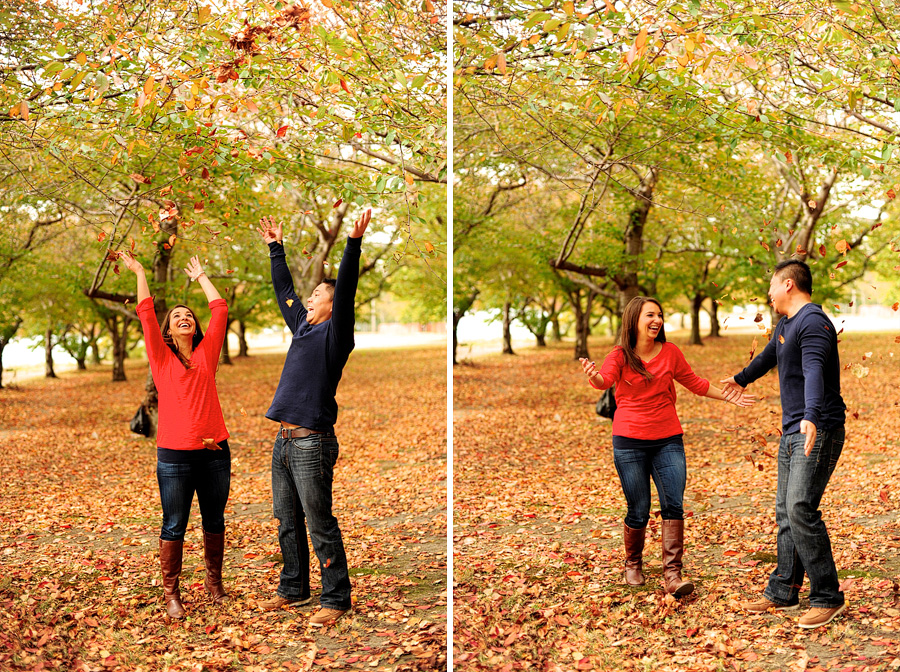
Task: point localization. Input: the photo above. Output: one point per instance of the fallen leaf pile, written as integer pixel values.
(80, 516)
(538, 513)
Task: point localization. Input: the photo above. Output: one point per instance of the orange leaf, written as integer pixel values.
(781, 339)
(198, 206)
(891, 194)
(842, 246)
(843, 263)
(338, 202)
(345, 87)
(140, 179)
(280, 133)
(250, 105)
(895, 306)
(101, 236)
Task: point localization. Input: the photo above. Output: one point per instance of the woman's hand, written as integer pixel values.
(590, 370)
(270, 231)
(130, 262)
(194, 269)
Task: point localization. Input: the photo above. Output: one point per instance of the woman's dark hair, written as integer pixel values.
(628, 335)
(167, 334)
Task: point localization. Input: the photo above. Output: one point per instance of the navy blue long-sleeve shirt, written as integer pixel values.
(317, 354)
(804, 347)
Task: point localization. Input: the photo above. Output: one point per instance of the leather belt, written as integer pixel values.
(297, 432)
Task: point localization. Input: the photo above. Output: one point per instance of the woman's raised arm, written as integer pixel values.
(195, 272)
(133, 265)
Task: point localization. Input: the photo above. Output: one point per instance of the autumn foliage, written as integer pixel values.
(538, 515)
(80, 517)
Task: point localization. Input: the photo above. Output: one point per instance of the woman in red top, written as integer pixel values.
(192, 446)
(647, 435)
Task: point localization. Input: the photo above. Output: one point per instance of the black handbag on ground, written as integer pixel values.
(140, 423)
(606, 404)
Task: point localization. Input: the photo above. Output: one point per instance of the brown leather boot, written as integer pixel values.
(213, 552)
(634, 551)
(170, 559)
(673, 548)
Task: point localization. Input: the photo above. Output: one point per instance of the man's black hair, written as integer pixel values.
(797, 271)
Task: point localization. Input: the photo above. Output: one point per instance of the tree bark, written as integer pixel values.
(714, 319)
(458, 313)
(627, 281)
(696, 305)
(120, 343)
(95, 353)
(48, 353)
(7, 332)
(555, 333)
(243, 350)
(582, 318)
(507, 334)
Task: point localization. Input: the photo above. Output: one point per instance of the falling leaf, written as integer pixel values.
(789, 158)
(781, 339)
(822, 250)
(204, 174)
(410, 180)
(101, 236)
(199, 206)
(842, 263)
(140, 179)
(337, 202)
(280, 133)
(891, 194)
(842, 246)
(250, 105)
(895, 306)
(289, 302)
(860, 371)
(345, 87)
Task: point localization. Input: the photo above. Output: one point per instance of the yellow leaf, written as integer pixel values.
(429, 247)
(501, 63)
(148, 86)
(289, 302)
(81, 58)
(327, 3)
(410, 180)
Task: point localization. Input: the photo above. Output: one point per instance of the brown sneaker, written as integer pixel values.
(762, 605)
(279, 602)
(818, 616)
(325, 616)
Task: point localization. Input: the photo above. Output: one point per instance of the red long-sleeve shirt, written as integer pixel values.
(645, 409)
(189, 409)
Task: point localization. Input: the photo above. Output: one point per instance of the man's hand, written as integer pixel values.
(359, 227)
(732, 390)
(270, 231)
(808, 428)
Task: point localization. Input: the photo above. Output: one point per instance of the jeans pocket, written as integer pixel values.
(310, 442)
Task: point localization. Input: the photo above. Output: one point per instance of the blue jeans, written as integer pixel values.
(302, 476)
(664, 461)
(177, 483)
(803, 543)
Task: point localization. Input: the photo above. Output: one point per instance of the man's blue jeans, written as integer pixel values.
(211, 480)
(666, 464)
(302, 476)
(803, 543)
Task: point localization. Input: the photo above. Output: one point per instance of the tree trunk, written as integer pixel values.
(541, 338)
(2, 345)
(48, 353)
(696, 305)
(243, 350)
(555, 333)
(713, 319)
(627, 280)
(582, 318)
(95, 353)
(458, 314)
(225, 355)
(7, 332)
(82, 366)
(120, 344)
(507, 334)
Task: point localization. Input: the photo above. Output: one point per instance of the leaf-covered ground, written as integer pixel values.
(80, 514)
(538, 517)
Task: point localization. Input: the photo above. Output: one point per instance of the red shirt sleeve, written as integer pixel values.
(157, 350)
(611, 369)
(214, 337)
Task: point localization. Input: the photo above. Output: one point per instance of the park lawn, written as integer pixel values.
(538, 522)
(79, 521)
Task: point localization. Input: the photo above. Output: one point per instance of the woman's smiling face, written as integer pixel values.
(182, 322)
(650, 321)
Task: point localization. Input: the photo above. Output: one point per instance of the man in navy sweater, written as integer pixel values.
(306, 448)
(804, 348)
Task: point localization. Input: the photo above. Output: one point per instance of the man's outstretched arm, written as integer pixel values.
(343, 314)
